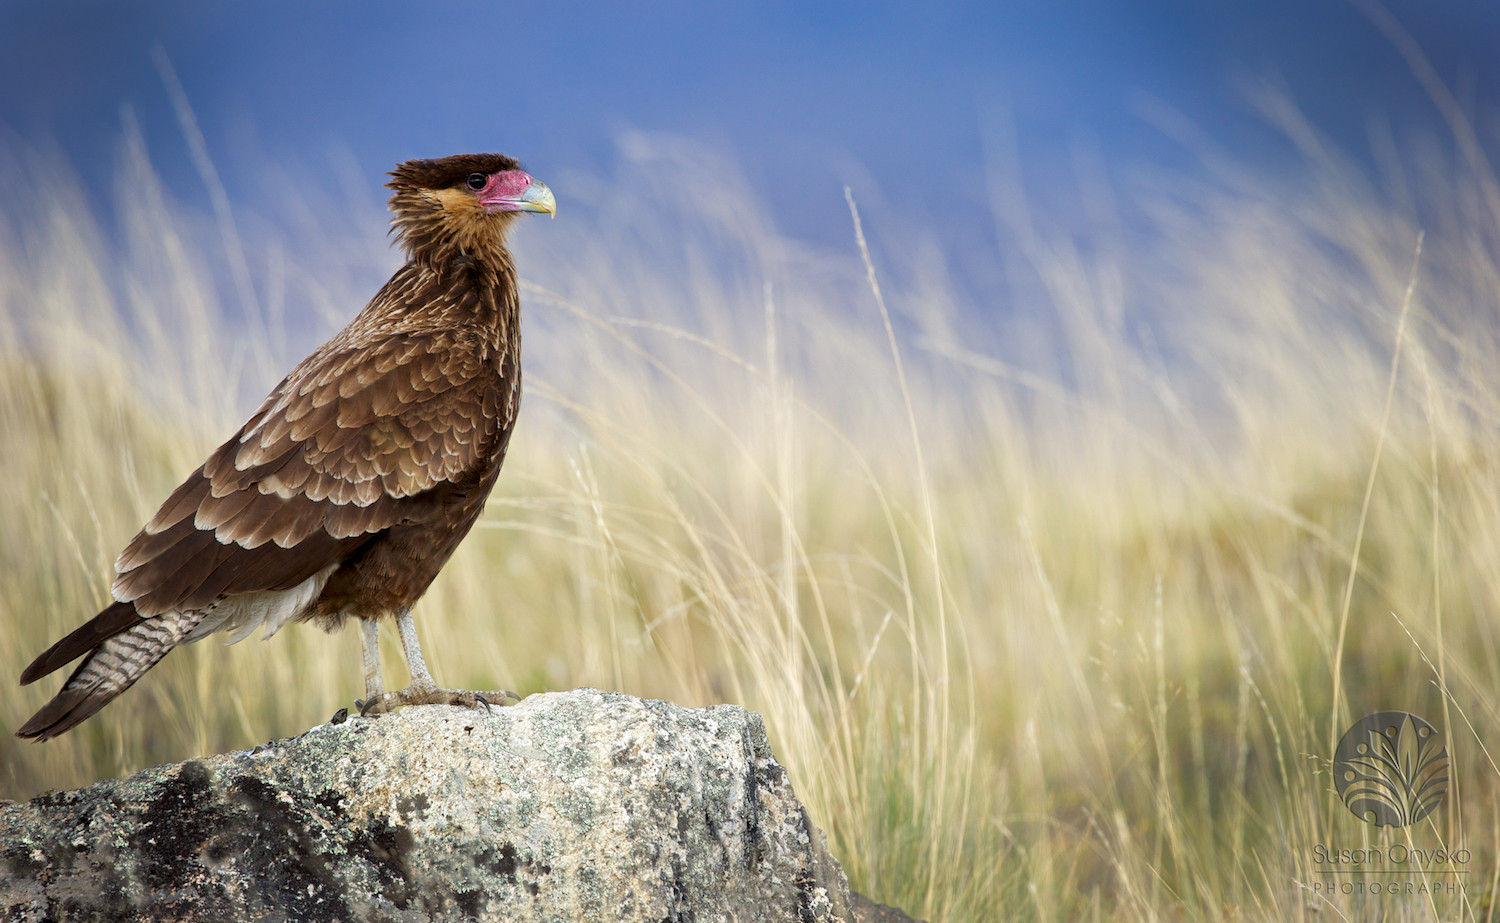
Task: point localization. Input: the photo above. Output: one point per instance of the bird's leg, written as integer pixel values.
(422, 691)
(420, 678)
(369, 636)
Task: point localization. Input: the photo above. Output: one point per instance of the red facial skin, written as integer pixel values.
(503, 191)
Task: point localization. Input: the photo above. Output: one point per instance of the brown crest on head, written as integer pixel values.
(445, 172)
(437, 219)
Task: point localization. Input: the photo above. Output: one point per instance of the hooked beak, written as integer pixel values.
(536, 197)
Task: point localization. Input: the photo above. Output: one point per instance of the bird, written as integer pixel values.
(350, 487)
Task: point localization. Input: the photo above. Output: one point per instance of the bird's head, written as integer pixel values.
(462, 206)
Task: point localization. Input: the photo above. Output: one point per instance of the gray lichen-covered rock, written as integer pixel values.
(569, 806)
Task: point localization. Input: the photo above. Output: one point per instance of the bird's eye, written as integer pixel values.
(477, 181)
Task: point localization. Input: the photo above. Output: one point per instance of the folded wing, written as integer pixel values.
(359, 438)
(351, 443)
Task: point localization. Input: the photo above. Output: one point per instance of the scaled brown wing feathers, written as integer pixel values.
(358, 438)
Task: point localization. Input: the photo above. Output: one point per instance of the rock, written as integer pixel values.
(571, 806)
(868, 911)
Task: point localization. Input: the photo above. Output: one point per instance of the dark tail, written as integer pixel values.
(117, 618)
(121, 645)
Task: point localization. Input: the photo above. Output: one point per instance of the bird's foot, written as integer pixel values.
(433, 695)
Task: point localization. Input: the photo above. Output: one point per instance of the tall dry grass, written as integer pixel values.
(1055, 608)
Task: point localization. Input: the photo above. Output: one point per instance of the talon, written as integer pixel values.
(486, 703)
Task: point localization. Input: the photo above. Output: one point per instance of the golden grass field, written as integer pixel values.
(1055, 608)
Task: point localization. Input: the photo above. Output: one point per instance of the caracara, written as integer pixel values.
(351, 486)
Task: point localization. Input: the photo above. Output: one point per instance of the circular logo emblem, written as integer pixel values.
(1391, 769)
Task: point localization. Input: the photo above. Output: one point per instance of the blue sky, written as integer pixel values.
(806, 96)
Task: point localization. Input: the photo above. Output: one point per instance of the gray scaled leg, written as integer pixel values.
(369, 637)
(422, 691)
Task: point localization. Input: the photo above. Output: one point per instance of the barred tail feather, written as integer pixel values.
(109, 669)
(113, 620)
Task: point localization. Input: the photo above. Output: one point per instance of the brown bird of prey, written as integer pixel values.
(356, 479)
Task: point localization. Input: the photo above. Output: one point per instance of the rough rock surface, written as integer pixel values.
(569, 806)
